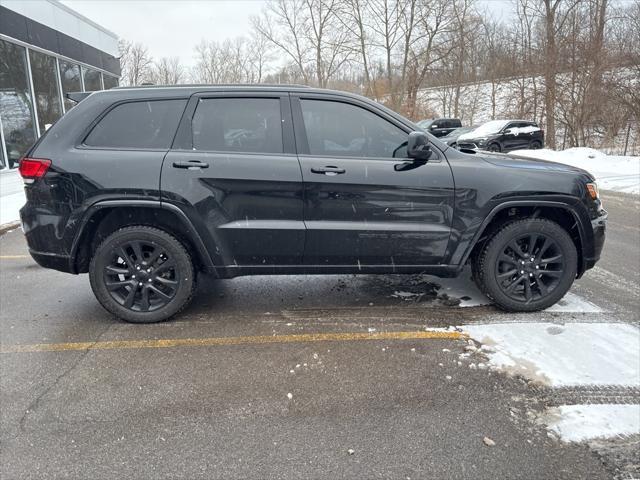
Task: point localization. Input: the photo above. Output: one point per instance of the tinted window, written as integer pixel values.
(150, 124)
(238, 125)
(343, 130)
(70, 78)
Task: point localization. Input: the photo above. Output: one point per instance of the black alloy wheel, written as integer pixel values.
(494, 147)
(142, 274)
(526, 265)
(530, 267)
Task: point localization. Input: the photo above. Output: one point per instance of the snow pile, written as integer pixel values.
(576, 423)
(11, 196)
(571, 355)
(612, 172)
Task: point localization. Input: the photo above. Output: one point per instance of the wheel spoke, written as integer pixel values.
(552, 273)
(541, 286)
(144, 305)
(159, 292)
(111, 286)
(554, 259)
(544, 248)
(157, 251)
(533, 239)
(507, 259)
(165, 266)
(128, 302)
(137, 251)
(122, 253)
(167, 281)
(509, 288)
(516, 248)
(527, 290)
(117, 270)
(507, 274)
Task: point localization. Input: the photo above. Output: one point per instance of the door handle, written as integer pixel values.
(328, 170)
(191, 164)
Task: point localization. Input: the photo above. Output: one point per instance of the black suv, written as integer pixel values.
(503, 136)
(439, 127)
(146, 187)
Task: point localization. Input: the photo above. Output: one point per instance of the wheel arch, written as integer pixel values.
(103, 218)
(562, 213)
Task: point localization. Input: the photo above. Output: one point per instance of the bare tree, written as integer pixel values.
(135, 62)
(168, 71)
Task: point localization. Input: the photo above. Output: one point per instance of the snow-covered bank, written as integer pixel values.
(618, 173)
(11, 196)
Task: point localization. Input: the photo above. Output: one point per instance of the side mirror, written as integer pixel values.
(418, 146)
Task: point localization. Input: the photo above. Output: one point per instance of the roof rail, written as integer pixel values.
(205, 85)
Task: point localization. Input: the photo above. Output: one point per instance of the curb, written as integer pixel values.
(5, 227)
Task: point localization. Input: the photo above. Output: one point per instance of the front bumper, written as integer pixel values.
(599, 227)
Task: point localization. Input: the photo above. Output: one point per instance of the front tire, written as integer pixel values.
(527, 265)
(494, 147)
(142, 274)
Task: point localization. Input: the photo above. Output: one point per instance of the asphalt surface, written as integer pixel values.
(268, 405)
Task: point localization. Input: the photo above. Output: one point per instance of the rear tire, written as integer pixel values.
(142, 275)
(535, 145)
(527, 265)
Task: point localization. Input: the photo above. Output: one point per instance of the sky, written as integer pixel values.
(171, 28)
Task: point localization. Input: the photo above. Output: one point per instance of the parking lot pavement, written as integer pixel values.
(270, 377)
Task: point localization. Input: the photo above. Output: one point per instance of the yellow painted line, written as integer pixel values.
(13, 257)
(216, 341)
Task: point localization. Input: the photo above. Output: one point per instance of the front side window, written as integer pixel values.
(343, 130)
(150, 124)
(238, 125)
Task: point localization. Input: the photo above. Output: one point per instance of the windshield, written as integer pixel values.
(488, 128)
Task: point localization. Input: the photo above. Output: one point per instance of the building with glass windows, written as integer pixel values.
(46, 51)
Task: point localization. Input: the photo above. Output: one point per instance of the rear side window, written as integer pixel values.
(150, 124)
(238, 125)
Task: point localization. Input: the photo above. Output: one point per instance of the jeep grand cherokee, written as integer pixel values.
(143, 188)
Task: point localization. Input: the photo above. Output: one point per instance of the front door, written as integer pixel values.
(365, 203)
(234, 171)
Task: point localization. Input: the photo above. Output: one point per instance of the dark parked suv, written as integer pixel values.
(144, 188)
(503, 136)
(440, 127)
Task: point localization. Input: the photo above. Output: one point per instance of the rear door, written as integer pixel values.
(233, 169)
(365, 204)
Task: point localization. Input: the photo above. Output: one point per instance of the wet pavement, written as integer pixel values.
(273, 404)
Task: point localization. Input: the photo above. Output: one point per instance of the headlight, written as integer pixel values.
(592, 188)
(481, 141)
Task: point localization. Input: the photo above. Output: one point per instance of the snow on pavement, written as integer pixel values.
(564, 355)
(618, 173)
(576, 423)
(571, 355)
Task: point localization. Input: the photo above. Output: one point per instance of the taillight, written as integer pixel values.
(32, 168)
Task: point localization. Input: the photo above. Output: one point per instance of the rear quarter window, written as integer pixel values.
(139, 124)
